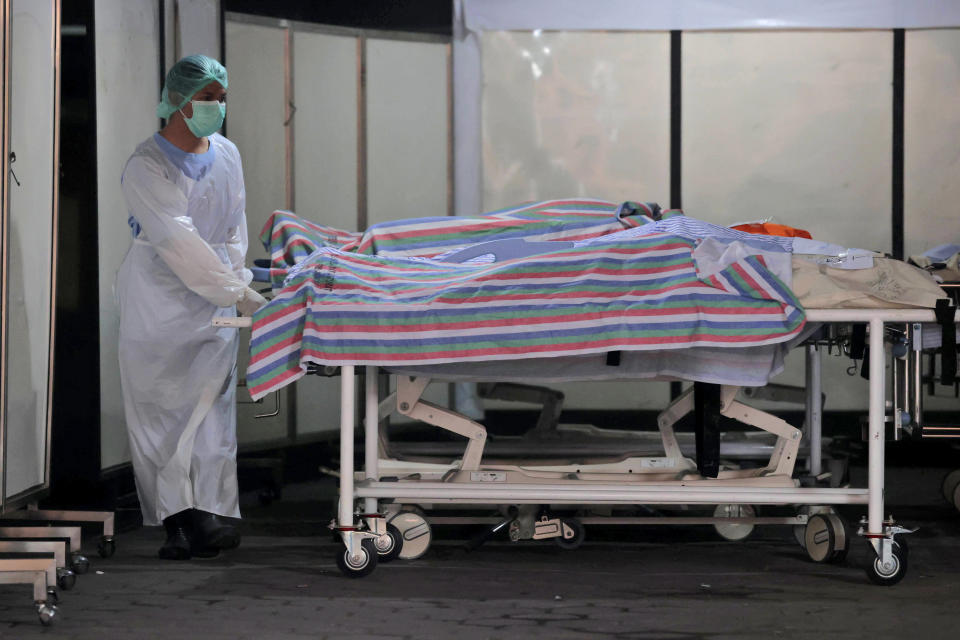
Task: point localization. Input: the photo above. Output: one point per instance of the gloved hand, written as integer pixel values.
(250, 302)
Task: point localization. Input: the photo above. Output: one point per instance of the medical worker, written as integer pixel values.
(185, 198)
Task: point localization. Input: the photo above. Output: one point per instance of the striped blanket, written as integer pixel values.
(615, 293)
(289, 239)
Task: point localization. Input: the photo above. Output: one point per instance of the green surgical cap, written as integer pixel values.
(185, 78)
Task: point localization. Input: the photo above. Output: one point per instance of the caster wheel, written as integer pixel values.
(46, 613)
(80, 564)
(734, 531)
(361, 565)
(389, 545)
(415, 532)
(577, 534)
(800, 534)
(891, 574)
(825, 538)
(949, 485)
(66, 579)
(53, 596)
(106, 547)
(800, 530)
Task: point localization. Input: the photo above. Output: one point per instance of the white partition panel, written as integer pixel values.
(199, 27)
(407, 129)
(127, 59)
(578, 114)
(325, 173)
(931, 156)
(256, 110)
(796, 126)
(932, 139)
(325, 128)
(575, 114)
(255, 115)
(29, 258)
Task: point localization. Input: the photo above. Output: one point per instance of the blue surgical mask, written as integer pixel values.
(207, 117)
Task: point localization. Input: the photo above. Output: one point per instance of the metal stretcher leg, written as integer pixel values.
(814, 410)
(890, 563)
(784, 455)
(409, 403)
(706, 402)
(78, 562)
(550, 401)
(388, 540)
(64, 577)
(875, 451)
(35, 572)
(359, 556)
(106, 546)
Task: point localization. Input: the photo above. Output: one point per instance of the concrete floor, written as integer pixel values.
(623, 583)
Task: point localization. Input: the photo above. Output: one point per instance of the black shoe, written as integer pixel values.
(177, 545)
(202, 552)
(210, 532)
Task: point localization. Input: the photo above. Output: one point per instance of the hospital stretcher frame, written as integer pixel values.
(880, 532)
(363, 530)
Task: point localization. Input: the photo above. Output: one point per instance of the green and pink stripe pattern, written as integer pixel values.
(289, 239)
(612, 294)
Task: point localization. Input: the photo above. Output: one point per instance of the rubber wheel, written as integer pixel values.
(364, 566)
(734, 531)
(825, 538)
(389, 545)
(949, 485)
(415, 531)
(80, 564)
(66, 580)
(106, 547)
(47, 614)
(579, 533)
(841, 537)
(889, 576)
(799, 534)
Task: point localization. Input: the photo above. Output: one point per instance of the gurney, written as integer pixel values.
(750, 309)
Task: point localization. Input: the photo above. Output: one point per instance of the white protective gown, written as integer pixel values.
(178, 372)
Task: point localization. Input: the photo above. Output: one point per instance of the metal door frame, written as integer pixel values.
(6, 8)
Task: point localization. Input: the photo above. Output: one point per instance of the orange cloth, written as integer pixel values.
(772, 229)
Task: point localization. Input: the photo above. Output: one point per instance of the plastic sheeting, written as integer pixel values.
(27, 267)
(131, 27)
(575, 114)
(666, 15)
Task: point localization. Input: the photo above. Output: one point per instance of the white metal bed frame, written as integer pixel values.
(356, 528)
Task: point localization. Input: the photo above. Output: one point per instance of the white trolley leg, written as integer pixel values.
(345, 522)
(890, 563)
(371, 434)
(376, 522)
(875, 451)
(359, 557)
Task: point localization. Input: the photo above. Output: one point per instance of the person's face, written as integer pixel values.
(213, 91)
